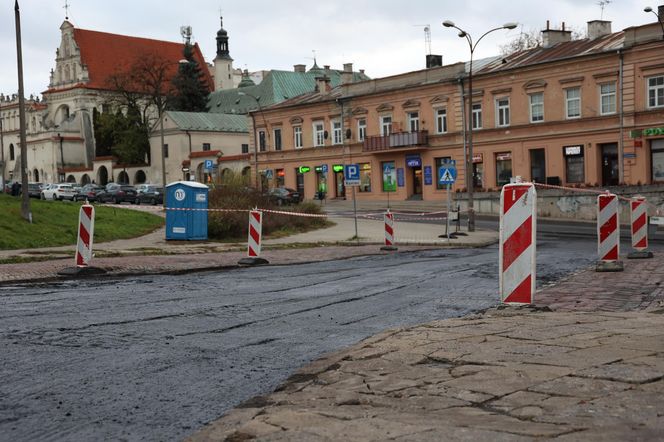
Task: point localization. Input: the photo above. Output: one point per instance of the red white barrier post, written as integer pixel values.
(639, 226)
(389, 232)
(518, 228)
(608, 234)
(254, 240)
(86, 228)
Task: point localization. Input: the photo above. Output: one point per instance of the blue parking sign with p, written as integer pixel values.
(208, 164)
(352, 174)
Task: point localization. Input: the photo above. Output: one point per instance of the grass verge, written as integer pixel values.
(55, 223)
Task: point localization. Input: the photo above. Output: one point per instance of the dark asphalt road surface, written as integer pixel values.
(155, 358)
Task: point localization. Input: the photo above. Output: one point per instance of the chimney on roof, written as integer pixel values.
(347, 74)
(551, 37)
(598, 28)
(434, 61)
(300, 68)
(326, 67)
(323, 84)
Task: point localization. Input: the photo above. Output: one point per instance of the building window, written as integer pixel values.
(573, 102)
(607, 94)
(361, 129)
(261, 141)
(280, 177)
(503, 112)
(477, 116)
(277, 139)
(245, 148)
(503, 168)
(165, 150)
(297, 137)
(439, 163)
(441, 121)
(206, 147)
(11, 152)
(386, 125)
(657, 160)
(537, 107)
(337, 137)
(574, 164)
(656, 91)
(365, 177)
(414, 121)
(319, 134)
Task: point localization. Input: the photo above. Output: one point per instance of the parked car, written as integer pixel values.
(140, 188)
(117, 194)
(62, 191)
(150, 195)
(9, 185)
(88, 192)
(34, 190)
(283, 195)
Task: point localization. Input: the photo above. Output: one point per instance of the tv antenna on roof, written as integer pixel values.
(185, 32)
(427, 38)
(603, 4)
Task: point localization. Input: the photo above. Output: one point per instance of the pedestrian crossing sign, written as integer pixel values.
(447, 174)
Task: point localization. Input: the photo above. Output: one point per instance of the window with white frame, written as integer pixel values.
(414, 121)
(319, 134)
(607, 93)
(386, 125)
(503, 112)
(536, 107)
(337, 137)
(361, 129)
(573, 102)
(262, 146)
(441, 121)
(477, 115)
(277, 139)
(656, 91)
(297, 137)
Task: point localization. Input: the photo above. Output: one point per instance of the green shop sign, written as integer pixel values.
(338, 168)
(303, 169)
(653, 131)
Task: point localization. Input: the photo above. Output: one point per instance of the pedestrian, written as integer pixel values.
(16, 188)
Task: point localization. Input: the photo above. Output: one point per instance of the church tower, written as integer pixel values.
(223, 63)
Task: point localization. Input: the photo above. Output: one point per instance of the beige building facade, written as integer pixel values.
(583, 113)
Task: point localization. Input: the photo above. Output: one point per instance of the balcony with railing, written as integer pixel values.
(397, 140)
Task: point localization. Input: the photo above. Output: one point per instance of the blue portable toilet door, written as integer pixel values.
(177, 217)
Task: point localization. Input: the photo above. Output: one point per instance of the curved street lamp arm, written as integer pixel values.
(485, 34)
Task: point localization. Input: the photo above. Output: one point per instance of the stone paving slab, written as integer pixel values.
(427, 382)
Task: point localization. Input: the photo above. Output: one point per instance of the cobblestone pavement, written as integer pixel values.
(504, 375)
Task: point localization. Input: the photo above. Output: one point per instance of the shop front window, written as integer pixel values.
(280, 177)
(574, 164)
(503, 168)
(365, 177)
(439, 163)
(389, 176)
(657, 160)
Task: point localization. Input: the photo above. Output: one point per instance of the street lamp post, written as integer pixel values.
(659, 17)
(253, 123)
(469, 158)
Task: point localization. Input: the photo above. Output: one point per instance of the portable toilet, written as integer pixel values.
(186, 211)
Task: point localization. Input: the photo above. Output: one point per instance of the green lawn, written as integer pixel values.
(55, 223)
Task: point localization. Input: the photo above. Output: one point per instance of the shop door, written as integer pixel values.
(417, 180)
(537, 166)
(339, 180)
(610, 173)
(300, 182)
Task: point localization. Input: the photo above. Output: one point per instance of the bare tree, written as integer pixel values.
(531, 39)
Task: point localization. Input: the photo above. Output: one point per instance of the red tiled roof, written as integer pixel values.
(106, 54)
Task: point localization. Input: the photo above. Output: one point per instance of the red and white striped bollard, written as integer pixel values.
(86, 228)
(389, 231)
(639, 227)
(254, 239)
(608, 233)
(518, 228)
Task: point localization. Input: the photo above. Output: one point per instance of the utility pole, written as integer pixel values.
(25, 202)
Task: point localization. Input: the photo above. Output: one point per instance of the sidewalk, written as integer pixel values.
(152, 254)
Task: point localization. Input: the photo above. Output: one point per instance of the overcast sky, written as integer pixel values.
(384, 37)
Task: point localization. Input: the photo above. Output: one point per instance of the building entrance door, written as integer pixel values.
(537, 166)
(339, 181)
(610, 173)
(417, 181)
(299, 182)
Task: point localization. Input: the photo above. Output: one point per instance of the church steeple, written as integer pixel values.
(222, 42)
(223, 63)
